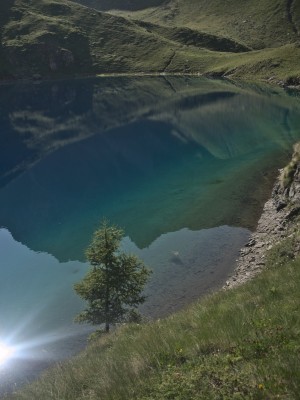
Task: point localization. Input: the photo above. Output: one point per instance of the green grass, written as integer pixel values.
(258, 24)
(238, 344)
(54, 38)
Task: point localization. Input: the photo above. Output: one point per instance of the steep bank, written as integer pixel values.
(279, 221)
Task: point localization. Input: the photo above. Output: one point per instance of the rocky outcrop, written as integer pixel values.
(278, 220)
(287, 189)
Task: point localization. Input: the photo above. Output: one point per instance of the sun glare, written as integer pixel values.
(6, 352)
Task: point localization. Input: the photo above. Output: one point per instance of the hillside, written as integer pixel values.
(257, 23)
(51, 38)
(58, 38)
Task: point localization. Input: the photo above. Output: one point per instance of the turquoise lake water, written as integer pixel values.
(184, 165)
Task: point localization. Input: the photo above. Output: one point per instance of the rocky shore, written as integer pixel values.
(279, 220)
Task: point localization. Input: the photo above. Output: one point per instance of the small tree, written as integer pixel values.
(113, 286)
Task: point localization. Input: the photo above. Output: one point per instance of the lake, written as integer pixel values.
(183, 164)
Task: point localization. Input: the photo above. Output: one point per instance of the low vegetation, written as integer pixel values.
(237, 344)
(51, 38)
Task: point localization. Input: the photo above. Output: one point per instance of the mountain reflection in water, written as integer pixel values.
(184, 165)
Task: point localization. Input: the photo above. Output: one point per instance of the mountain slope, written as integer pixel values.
(56, 38)
(59, 37)
(257, 23)
(51, 37)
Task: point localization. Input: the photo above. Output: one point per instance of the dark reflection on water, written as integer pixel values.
(183, 164)
(130, 148)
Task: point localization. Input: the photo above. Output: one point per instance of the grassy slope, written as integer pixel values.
(238, 344)
(55, 37)
(258, 24)
(268, 26)
(58, 38)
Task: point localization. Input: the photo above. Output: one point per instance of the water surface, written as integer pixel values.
(184, 165)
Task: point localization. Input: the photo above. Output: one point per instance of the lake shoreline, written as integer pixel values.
(277, 222)
(208, 75)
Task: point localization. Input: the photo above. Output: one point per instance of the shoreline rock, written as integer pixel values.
(275, 224)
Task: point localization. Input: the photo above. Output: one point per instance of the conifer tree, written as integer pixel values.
(114, 283)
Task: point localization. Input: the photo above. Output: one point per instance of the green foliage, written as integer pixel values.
(113, 286)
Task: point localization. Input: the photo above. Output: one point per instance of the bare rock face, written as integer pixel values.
(287, 189)
(275, 224)
(294, 191)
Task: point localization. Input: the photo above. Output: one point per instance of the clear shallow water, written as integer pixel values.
(184, 165)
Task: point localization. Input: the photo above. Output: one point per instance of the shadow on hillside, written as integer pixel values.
(130, 5)
(5, 12)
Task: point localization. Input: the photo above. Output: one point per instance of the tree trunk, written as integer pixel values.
(107, 307)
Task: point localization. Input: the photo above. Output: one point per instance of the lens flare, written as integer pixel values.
(6, 352)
